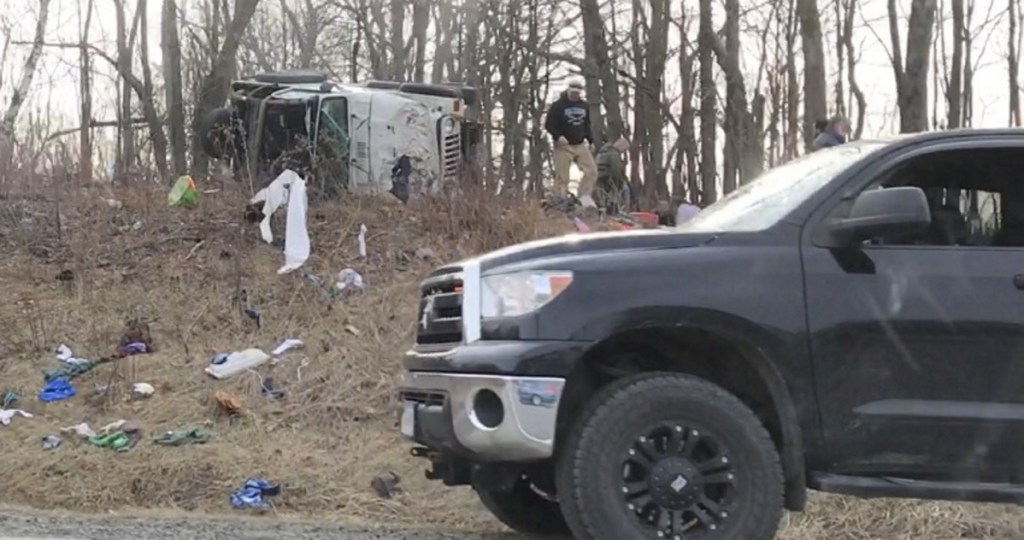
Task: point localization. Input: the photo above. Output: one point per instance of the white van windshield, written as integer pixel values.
(770, 197)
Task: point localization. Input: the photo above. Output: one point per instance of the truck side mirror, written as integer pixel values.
(877, 212)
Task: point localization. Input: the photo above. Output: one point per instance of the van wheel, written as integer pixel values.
(525, 510)
(214, 129)
(666, 455)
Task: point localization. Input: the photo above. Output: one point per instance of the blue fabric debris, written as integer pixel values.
(251, 494)
(135, 347)
(56, 390)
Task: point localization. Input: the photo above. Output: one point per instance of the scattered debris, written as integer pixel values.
(10, 397)
(119, 436)
(267, 387)
(349, 278)
(386, 484)
(143, 390)
(183, 436)
(135, 340)
(50, 442)
(251, 494)
(425, 254)
(82, 430)
(362, 241)
(68, 372)
(183, 193)
(65, 355)
(581, 225)
(273, 197)
(296, 235)
(255, 315)
(353, 330)
(284, 347)
(226, 365)
(56, 389)
(229, 402)
(6, 415)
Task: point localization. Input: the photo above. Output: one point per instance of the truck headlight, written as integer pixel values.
(447, 124)
(519, 293)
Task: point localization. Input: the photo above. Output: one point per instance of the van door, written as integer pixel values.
(359, 111)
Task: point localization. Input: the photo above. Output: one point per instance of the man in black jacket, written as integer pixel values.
(568, 122)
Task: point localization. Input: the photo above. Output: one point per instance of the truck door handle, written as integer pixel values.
(1018, 281)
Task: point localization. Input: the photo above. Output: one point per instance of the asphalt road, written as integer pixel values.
(15, 525)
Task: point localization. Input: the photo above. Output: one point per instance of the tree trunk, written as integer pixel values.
(85, 89)
(912, 77)
(708, 105)
(213, 92)
(28, 71)
(397, 40)
(1013, 59)
(851, 68)
(171, 52)
(420, 22)
(815, 99)
(596, 45)
(156, 130)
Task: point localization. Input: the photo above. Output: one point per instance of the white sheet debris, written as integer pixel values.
(65, 355)
(285, 346)
(225, 366)
(362, 240)
(7, 414)
(143, 389)
(82, 430)
(273, 197)
(296, 236)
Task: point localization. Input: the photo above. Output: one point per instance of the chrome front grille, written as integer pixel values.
(451, 156)
(440, 312)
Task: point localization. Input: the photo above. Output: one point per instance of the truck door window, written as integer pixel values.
(975, 197)
(333, 143)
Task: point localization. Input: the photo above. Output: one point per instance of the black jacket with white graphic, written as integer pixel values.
(569, 119)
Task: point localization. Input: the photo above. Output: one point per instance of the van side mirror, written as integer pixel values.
(877, 212)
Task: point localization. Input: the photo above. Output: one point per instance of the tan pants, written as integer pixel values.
(579, 154)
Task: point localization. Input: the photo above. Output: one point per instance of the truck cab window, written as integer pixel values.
(975, 197)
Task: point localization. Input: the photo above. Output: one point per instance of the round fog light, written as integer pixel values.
(488, 409)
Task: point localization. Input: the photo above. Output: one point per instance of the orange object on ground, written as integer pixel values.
(649, 219)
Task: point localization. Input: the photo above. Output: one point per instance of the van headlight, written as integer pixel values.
(447, 124)
(519, 293)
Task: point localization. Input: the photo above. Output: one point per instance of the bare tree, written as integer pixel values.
(708, 104)
(85, 171)
(28, 71)
(815, 100)
(912, 77)
(175, 102)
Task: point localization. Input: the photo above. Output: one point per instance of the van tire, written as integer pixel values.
(214, 130)
(430, 90)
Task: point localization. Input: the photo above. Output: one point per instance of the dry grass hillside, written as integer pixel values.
(77, 270)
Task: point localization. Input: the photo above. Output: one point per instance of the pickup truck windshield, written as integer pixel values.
(770, 197)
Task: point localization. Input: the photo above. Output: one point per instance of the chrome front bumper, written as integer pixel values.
(526, 431)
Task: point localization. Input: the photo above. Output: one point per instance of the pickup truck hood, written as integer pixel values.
(592, 243)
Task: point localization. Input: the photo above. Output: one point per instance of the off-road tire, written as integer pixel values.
(588, 473)
(525, 511)
(214, 129)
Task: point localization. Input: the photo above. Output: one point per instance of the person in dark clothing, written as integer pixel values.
(834, 134)
(568, 123)
(612, 192)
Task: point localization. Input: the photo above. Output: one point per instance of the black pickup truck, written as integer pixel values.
(850, 322)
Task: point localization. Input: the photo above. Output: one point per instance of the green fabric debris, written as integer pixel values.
(9, 398)
(186, 435)
(118, 441)
(69, 371)
(183, 193)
